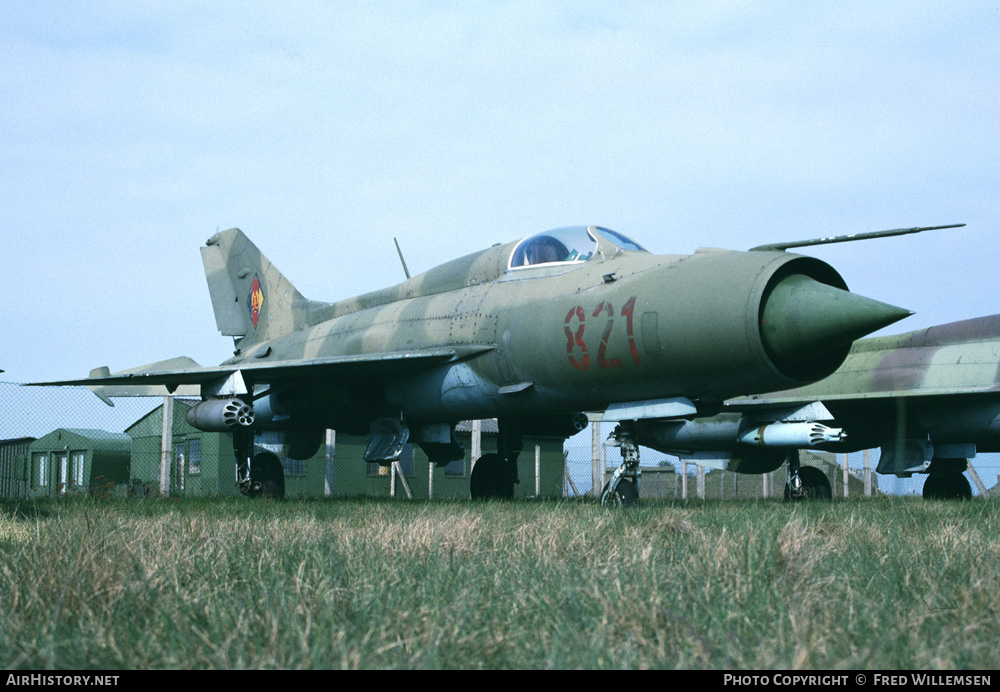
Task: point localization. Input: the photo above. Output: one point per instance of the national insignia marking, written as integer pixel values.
(255, 301)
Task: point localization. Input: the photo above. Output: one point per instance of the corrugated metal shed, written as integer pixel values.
(14, 467)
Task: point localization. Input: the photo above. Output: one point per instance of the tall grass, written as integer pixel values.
(232, 583)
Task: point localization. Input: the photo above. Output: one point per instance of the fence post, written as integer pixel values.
(596, 470)
(397, 469)
(565, 472)
(983, 492)
(477, 439)
(430, 478)
(846, 477)
(867, 456)
(166, 444)
(538, 471)
(331, 441)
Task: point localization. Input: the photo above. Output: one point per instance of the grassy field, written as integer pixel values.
(120, 584)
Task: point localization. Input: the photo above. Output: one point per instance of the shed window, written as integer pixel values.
(42, 463)
(63, 472)
(77, 458)
(194, 456)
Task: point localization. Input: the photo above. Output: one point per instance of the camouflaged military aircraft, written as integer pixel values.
(929, 398)
(531, 332)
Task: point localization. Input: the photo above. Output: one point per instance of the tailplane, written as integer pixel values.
(252, 300)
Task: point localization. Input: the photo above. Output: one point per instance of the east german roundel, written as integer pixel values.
(255, 301)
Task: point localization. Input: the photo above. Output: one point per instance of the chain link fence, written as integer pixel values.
(667, 476)
(64, 440)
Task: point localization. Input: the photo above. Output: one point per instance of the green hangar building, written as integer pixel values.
(79, 460)
(203, 463)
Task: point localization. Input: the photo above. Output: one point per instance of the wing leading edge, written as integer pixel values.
(185, 377)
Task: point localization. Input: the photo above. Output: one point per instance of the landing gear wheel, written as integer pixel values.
(267, 477)
(491, 479)
(815, 485)
(947, 486)
(625, 495)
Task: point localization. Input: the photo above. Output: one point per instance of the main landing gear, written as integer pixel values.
(946, 480)
(491, 479)
(495, 475)
(623, 488)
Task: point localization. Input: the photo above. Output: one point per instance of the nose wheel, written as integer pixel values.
(624, 494)
(623, 488)
(805, 482)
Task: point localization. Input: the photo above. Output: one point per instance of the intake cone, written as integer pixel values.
(804, 323)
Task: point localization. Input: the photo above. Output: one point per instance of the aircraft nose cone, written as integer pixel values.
(804, 320)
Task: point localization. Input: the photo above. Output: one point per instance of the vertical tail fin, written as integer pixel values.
(252, 300)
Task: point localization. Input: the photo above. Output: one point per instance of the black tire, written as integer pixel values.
(947, 486)
(625, 495)
(491, 479)
(815, 484)
(267, 477)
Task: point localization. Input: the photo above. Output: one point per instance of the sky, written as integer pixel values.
(130, 132)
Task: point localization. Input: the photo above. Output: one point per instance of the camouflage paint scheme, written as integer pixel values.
(499, 334)
(927, 396)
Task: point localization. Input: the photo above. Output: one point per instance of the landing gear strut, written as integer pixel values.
(243, 448)
(805, 482)
(267, 477)
(257, 475)
(623, 488)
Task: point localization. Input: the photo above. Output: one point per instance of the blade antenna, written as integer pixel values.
(405, 270)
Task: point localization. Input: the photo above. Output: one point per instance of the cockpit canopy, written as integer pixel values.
(570, 245)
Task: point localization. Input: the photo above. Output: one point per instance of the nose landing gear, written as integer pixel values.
(257, 475)
(805, 482)
(623, 488)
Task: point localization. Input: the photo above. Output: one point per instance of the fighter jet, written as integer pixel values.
(929, 398)
(531, 332)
